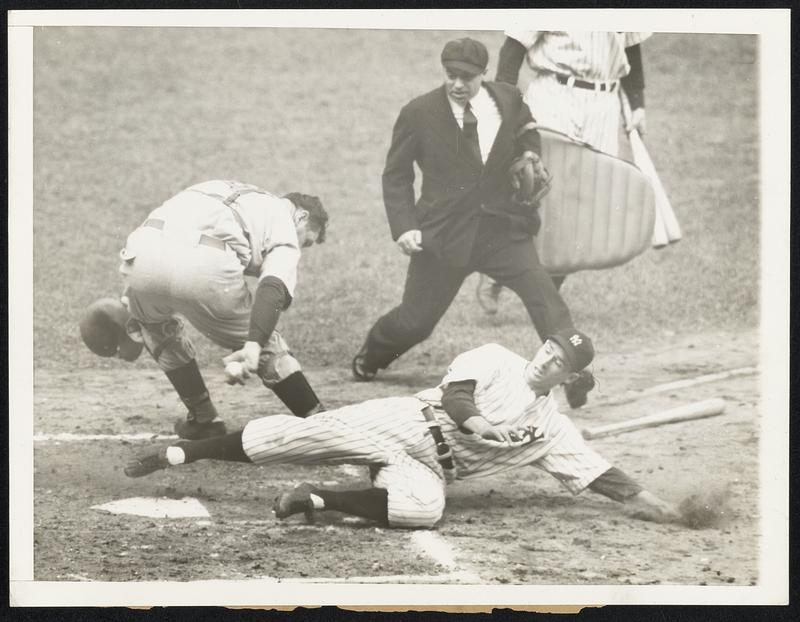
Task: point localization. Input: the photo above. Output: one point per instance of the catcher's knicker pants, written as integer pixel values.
(166, 275)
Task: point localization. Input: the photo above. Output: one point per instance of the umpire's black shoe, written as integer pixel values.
(193, 430)
(577, 390)
(295, 501)
(361, 369)
(144, 465)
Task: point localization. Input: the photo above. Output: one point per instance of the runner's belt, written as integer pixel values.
(443, 453)
(602, 85)
(205, 240)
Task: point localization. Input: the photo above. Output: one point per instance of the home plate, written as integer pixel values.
(153, 507)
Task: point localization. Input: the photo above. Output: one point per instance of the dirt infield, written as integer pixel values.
(519, 528)
(125, 117)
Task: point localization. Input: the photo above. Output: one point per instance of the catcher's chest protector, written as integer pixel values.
(600, 210)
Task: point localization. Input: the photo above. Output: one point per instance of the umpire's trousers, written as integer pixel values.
(432, 284)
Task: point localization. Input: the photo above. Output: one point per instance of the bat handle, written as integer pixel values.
(627, 114)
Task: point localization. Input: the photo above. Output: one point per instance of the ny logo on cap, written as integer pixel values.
(576, 340)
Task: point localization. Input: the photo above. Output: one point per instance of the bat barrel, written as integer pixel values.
(696, 410)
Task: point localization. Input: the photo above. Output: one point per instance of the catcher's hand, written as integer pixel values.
(529, 178)
(240, 364)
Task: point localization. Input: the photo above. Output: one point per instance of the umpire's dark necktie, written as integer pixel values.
(470, 132)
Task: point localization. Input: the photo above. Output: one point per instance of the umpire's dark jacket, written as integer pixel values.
(456, 186)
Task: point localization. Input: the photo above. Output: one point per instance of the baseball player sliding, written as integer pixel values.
(190, 258)
(492, 412)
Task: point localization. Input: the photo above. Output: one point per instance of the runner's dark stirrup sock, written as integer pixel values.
(372, 503)
(228, 448)
(297, 394)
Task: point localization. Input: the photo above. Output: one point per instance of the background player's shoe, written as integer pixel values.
(294, 502)
(144, 465)
(577, 390)
(361, 369)
(193, 430)
(488, 294)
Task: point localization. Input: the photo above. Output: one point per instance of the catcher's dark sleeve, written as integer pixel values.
(398, 176)
(633, 83)
(512, 53)
(458, 401)
(271, 298)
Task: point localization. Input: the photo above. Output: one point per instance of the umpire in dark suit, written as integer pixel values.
(463, 136)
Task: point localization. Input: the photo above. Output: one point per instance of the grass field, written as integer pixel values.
(124, 118)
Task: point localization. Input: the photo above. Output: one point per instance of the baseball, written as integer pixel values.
(234, 370)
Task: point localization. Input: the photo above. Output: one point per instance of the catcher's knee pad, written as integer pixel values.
(416, 495)
(166, 342)
(276, 366)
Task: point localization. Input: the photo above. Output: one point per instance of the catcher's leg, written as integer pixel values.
(225, 319)
(164, 277)
(201, 420)
(280, 371)
(167, 343)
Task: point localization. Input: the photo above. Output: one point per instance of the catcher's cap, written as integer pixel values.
(577, 346)
(465, 54)
(103, 330)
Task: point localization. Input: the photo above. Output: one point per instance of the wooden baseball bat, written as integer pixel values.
(696, 410)
(630, 396)
(660, 237)
(663, 207)
(666, 229)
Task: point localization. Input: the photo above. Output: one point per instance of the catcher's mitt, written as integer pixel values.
(529, 178)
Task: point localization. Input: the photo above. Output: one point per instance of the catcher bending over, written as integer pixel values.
(190, 258)
(492, 412)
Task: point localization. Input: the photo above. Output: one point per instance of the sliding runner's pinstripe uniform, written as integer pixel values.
(392, 435)
(502, 396)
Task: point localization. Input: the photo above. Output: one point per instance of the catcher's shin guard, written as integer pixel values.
(297, 394)
(193, 393)
(202, 419)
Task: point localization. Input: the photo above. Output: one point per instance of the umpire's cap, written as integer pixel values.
(577, 346)
(103, 330)
(465, 54)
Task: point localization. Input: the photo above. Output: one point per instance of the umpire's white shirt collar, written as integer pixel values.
(488, 115)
